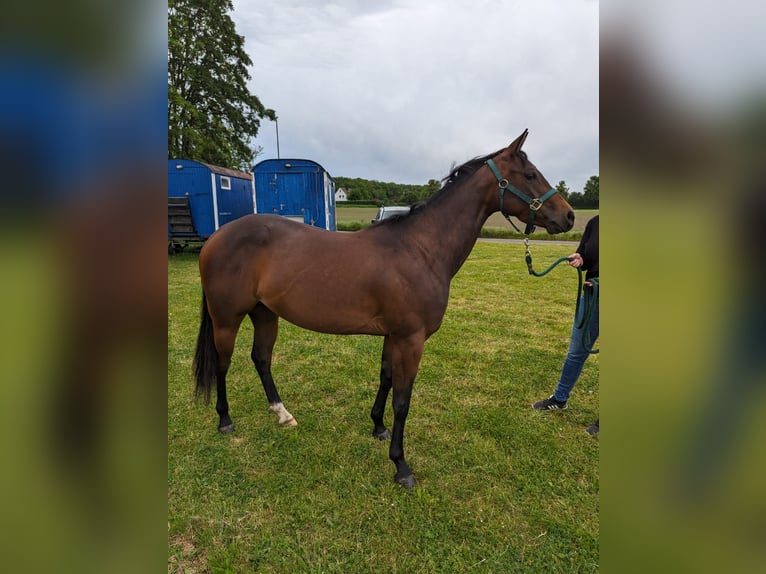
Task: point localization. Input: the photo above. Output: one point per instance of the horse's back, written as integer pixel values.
(262, 257)
(257, 229)
(253, 236)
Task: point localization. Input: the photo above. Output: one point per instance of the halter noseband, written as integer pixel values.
(534, 203)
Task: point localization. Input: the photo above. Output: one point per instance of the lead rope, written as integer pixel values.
(528, 258)
(590, 299)
(588, 293)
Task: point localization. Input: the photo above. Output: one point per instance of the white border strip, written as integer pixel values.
(215, 200)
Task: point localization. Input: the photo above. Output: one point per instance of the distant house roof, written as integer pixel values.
(228, 171)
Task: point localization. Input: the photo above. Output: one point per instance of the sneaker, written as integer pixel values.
(592, 429)
(550, 404)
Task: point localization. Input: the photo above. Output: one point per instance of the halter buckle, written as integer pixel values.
(535, 204)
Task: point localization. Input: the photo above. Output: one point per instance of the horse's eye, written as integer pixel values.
(530, 176)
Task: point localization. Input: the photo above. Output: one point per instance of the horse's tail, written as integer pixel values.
(206, 356)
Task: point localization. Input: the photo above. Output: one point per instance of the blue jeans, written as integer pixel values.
(577, 354)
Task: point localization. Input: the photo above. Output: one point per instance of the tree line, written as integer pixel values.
(386, 193)
(587, 199)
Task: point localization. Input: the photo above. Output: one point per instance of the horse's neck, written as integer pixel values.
(456, 220)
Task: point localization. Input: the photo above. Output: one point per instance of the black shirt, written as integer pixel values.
(588, 248)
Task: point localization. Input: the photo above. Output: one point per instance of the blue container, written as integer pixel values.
(203, 197)
(298, 189)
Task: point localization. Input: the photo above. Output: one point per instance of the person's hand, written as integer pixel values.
(575, 260)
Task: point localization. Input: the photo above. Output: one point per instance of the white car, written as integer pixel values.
(389, 211)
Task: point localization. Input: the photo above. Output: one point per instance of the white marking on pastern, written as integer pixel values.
(285, 418)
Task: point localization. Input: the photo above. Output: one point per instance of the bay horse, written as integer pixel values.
(391, 279)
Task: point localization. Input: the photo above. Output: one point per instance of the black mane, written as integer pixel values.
(472, 165)
(456, 176)
(466, 169)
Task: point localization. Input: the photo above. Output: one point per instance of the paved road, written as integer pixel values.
(531, 241)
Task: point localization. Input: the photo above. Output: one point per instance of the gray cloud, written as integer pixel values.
(398, 91)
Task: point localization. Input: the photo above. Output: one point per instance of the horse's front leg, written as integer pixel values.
(380, 431)
(406, 354)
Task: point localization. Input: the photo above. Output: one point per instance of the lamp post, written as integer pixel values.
(276, 122)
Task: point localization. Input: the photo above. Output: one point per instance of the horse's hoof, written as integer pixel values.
(407, 482)
(228, 429)
(290, 423)
(384, 435)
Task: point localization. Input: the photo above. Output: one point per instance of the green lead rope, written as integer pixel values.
(541, 273)
(528, 258)
(588, 293)
(590, 300)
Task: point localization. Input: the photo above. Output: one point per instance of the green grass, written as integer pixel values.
(501, 488)
(354, 218)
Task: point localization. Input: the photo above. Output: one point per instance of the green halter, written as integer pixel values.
(534, 203)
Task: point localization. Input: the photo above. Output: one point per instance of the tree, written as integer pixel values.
(385, 193)
(590, 192)
(212, 116)
(563, 190)
(432, 187)
(575, 200)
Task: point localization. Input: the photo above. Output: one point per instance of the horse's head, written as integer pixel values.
(525, 193)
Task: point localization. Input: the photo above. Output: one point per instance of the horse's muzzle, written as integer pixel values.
(561, 224)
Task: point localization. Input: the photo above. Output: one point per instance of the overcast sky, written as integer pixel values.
(399, 90)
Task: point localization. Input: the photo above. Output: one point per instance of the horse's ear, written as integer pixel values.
(518, 142)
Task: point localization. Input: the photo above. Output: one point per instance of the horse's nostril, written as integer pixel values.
(571, 217)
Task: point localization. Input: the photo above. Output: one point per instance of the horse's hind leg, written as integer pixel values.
(379, 406)
(266, 327)
(224, 343)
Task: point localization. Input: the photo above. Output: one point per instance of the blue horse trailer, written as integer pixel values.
(298, 189)
(202, 197)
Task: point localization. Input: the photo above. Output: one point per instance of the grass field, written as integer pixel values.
(352, 217)
(501, 488)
